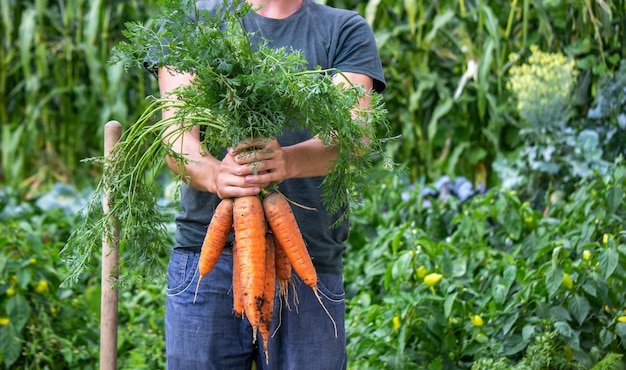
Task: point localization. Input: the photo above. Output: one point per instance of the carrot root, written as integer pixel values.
(237, 295)
(267, 309)
(319, 299)
(283, 271)
(215, 239)
(284, 226)
(250, 230)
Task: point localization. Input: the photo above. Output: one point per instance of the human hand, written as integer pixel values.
(249, 167)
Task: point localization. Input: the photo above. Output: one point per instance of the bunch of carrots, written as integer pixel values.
(268, 245)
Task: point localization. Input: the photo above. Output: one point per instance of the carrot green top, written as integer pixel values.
(264, 78)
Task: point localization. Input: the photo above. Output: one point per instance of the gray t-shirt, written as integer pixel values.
(329, 38)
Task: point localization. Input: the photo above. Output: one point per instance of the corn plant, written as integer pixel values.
(57, 88)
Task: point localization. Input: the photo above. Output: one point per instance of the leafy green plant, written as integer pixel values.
(499, 277)
(141, 339)
(45, 326)
(556, 154)
(37, 314)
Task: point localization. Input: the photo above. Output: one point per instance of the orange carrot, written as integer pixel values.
(237, 297)
(215, 239)
(267, 308)
(283, 270)
(283, 224)
(250, 230)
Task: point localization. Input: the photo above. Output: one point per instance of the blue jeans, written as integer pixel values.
(207, 334)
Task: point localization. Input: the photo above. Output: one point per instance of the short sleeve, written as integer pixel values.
(357, 51)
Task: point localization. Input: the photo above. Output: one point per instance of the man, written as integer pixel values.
(206, 334)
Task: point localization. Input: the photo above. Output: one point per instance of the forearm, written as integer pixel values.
(188, 158)
(309, 158)
(195, 166)
(313, 157)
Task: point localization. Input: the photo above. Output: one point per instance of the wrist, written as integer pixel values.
(200, 174)
(291, 167)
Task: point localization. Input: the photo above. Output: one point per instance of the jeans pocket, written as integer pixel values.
(330, 287)
(181, 271)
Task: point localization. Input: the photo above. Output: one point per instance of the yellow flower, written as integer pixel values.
(605, 239)
(476, 320)
(32, 260)
(4, 321)
(586, 254)
(567, 281)
(396, 322)
(542, 87)
(621, 319)
(10, 292)
(41, 287)
(421, 272)
(432, 279)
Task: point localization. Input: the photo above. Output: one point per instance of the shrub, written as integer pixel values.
(509, 275)
(45, 326)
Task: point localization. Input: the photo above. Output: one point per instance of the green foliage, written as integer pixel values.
(44, 326)
(541, 354)
(446, 64)
(57, 89)
(40, 315)
(523, 273)
(257, 89)
(141, 337)
(136, 217)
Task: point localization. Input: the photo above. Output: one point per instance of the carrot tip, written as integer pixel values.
(195, 295)
(319, 298)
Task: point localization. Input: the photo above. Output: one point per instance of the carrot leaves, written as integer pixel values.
(242, 89)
